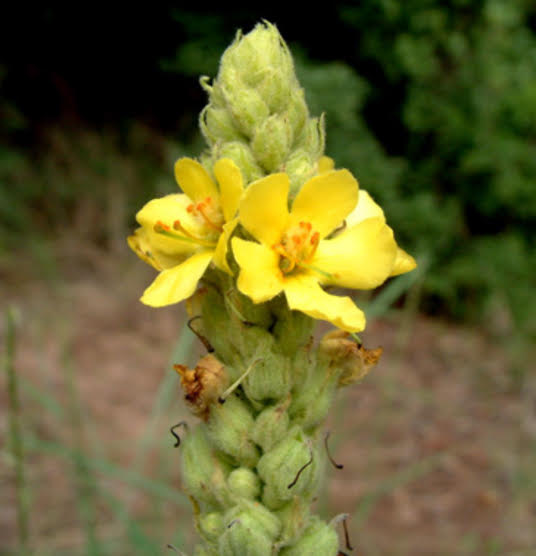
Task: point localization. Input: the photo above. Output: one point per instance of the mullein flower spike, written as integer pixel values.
(265, 222)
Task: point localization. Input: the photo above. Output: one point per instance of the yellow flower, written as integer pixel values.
(327, 238)
(181, 234)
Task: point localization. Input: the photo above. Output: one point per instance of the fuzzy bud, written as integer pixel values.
(271, 426)
(229, 425)
(255, 511)
(242, 155)
(319, 538)
(289, 469)
(311, 404)
(244, 483)
(270, 377)
(217, 125)
(245, 535)
(211, 525)
(272, 141)
(294, 516)
(203, 471)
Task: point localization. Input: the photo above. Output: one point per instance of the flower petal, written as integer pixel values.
(194, 180)
(325, 164)
(260, 277)
(361, 257)
(231, 186)
(177, 283)
(366, 208)
(139, 244)
(166, 210)
(325, 201)
(403, 263)
(305, 294)
(263, 210)
(220, 255)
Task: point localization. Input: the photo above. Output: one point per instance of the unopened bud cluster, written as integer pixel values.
(257, 114)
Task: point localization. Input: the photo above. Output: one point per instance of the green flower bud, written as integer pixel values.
(263, 61)
(246, 107)
(204, 473)
(289, 469)
(270, 378)
(254, 511)
(312, 401)
(319, 539)
(294, 516)
(244, 535)
(293, 329)
(313, 137)
(241, 154)
(299, 167)
(244, 483)
(270, 426)
(217, 125)
(228, 428)
(211, 525)
(297, 111)
(271, 142)
(245, 309)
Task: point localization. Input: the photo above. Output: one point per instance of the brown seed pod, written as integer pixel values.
(203, 385)
(354, 359)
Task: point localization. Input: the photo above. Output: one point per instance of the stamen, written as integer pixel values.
(201, 207)
(315, 269)
(165, 230)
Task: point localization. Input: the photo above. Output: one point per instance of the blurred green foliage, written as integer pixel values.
(431, 104)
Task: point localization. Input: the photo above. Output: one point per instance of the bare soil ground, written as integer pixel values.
(439, 452)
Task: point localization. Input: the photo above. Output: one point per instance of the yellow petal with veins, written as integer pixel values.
(231, 186)
(263, 210)
(325, 201)
(177, 283)
(220, 255)
(305, 294)
(194, 180)
(260, 278)
(361, 257)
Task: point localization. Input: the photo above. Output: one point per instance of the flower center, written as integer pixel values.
(209, 213)
(209, 217)
(297, 247)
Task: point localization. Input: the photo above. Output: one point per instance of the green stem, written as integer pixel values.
(15, 438)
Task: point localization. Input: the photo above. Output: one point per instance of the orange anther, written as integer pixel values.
(160, 227)
(190, 208)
